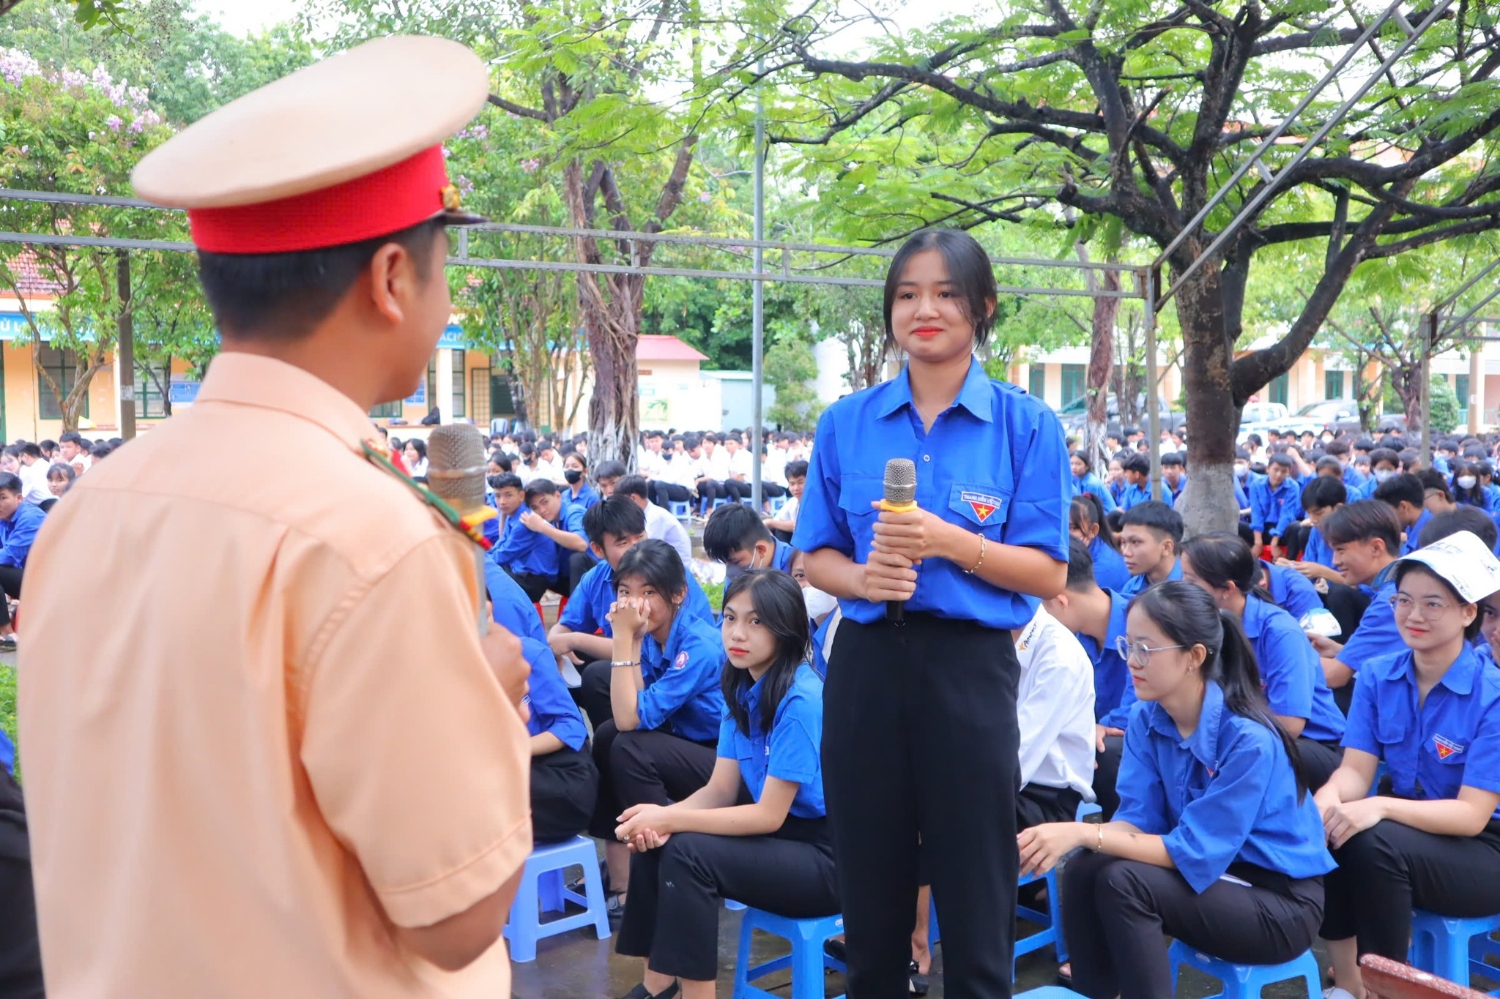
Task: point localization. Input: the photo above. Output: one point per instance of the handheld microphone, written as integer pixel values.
(455, 474)
(900, 497)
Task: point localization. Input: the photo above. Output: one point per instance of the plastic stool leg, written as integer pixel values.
(742, 964)
(550, 891)
(807, 969)
(1455, 958)
(1054, 905)
(523, 922)
(593, 888)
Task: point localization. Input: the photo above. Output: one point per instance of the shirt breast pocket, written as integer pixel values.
(856, 494)
(980, 506)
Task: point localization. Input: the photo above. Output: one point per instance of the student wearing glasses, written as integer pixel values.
(1217, 842)
(1431, 713)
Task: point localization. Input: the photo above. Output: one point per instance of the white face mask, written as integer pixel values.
(1240, 468)
(1382, 474)
(818, 602)
(1466, 481)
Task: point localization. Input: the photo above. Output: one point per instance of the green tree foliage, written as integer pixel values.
(1444, 402)
(790, 367)
(85, 13)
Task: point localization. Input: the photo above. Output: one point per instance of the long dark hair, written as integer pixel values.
(659, 565)
(1222, 559)
(1474, 495)
(1188, 616)
(778, 603)
(1087, 509)
(969, 269)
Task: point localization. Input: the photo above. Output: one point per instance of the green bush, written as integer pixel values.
(715, 594)
(8, 707)
(1445, 406)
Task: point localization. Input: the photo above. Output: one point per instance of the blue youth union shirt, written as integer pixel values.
(682, 681)
(1136, 584)
(1317, 550)
(790, 752)
(512, 610)
(1376, 635)
(994, 463)
(1448, 741)
(1109, 566)
(1292, 591)
(1225, 794)
(588, 608)
(552, 707)
(1290, 670)
(1111, 674)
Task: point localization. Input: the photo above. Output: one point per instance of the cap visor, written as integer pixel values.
(461, 218)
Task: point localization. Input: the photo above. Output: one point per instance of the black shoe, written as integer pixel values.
(641, 992)
(579, 886)
(917, 983)
(615, 909)
(835, 950)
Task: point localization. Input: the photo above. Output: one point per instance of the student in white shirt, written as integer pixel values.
(785, 521)
(33, 473)
(660, 524)
(720, 477)
(1055, 710)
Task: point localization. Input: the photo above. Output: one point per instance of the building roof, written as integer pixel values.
(656, 347)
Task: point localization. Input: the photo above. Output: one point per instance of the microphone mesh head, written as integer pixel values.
(900, 481)
(455, 466)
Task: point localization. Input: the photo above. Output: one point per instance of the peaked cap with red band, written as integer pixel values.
(344, 150)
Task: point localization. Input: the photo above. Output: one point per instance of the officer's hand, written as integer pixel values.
(1101, 732)
(888, 577)
(502, 651)
(915, 535)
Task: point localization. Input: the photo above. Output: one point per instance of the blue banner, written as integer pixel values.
(183, 391)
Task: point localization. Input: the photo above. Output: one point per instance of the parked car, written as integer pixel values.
(1075, 415)
(1330, 414)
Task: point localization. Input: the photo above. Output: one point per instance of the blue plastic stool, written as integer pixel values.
(679, 509)
(1050, 921)
(1050, 992)
(747, 501)
(806, 960)
(1453, 948)
(776, 503)
(1245, 981)
(717, 503)
(542, 890)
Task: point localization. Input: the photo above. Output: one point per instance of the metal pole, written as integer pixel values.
(758, 300)
(1429, 336)
(125, 348)
(1153, 420)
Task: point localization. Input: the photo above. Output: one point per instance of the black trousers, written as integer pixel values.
(578, 564)
(636, 767)
(10, 581)
(1115, 912)
(564, 787)
(20, 954)
(1347, 605)
(1390, 868)
(770, 490)
(535, 586)
(709, 490)
(662, 492)
(1294, 540)
(1037, 804)
(734, 489)
(676, 891)
(1106, 772)
(920, 740)
(1319, 760)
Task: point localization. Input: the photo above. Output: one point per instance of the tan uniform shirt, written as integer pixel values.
(257, 724)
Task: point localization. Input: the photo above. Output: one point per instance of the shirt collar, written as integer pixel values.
(1256, 612)
(1204, 742)
(252, 380)
(1460, 676)
(1118, 608)
(974, 396)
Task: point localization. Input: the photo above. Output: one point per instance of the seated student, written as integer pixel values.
(564, 780)
(576, 474)
(1055, 717)
(1288, 589)
(772, 852)
(1293, 528)
(1086, 523)
(655, 715)
(1486, 473)
(1085, 481)
(1320, 497)
(509, 605)
(1437, 498)
(1173, 476)
(660, 524)
(784, 522)
(822, 614)
(607, 476)
(1404, 494)
(1149, 535)
(1137, 469)
(1267, 499)
(546, 514)
(1097, 618)
(1385, 462)
(614, 526)
(20, 953)
(1431, 839)
(1466, 488)
(673, 478)
(1365, 536)
(60, 479)
(526, 553)
(736, 536)
(1290, 672)
(19, 522)
(510, 499)
(1210, 786)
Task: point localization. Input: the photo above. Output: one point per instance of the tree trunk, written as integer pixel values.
(1406, 379)
(1207, 503)
(612, 325)
(1101, 364)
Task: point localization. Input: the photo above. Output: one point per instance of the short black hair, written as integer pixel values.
(71, 437)
(1138, 463)
(731, 528)
(11, 483)
(284, 296)
(1431, 478)
(1405, 487)
(1080, 567)
(502, 459)
(1337, 447)
(609, 470)
(1328, 463)
(1171, 458)
(1385, 454)
(507, 481)
(1464, 518)
(658, 564)
(617, 515)
(1324, 492)
(1363, 520)
(31, 450)
(418, 445)
(1155, 516)
(633, 485)
(1281, 458)
(540, 487)
(969, 269)
(796, 469)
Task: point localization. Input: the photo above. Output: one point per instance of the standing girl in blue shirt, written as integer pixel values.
(1432, 714)
(921, 738)
(1290, 672)
(1086, 523)
(772, 853)
(1216, 842)
(657, 746)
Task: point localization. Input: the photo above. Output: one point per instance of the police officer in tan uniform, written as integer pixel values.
(278, 759)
